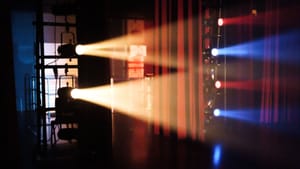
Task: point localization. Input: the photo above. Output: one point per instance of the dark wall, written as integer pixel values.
(92, 27)
(9, 113)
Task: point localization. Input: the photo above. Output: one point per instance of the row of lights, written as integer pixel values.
(211, 37)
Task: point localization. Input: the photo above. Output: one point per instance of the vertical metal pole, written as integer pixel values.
(40, 74)
(37, 68)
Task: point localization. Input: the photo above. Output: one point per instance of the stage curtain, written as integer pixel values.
(177, 46)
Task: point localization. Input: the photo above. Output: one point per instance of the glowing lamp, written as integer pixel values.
(220, 21)
(80, 49)
(215, 52)
(75, 93)
(217, 112)
(217, 84)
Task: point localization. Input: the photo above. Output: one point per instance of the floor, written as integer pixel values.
(230, 144)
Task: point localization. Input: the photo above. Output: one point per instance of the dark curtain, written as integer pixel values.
(11, 146)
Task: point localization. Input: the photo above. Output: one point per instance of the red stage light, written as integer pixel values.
(220, 21)
(217, 84)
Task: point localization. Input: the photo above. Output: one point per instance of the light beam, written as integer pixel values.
(131, 98)
(285, 48)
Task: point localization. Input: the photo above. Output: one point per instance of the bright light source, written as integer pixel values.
(215, 52)
(75, 93)
(217, 84)
(217, 112)
(80, 49)
(220, 21)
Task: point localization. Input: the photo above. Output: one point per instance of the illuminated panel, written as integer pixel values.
(137, 52)
(136, 61)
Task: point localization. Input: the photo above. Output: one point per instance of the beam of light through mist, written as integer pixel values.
(248, 115)
(287, 16)
(256, 85)
(119, 47)
(251, 85)
(282, 47)
(131, 98)
(119, 51)
(254, 17)
(244, 20)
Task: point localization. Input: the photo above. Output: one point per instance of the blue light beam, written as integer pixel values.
(250, 115)
(282, 47)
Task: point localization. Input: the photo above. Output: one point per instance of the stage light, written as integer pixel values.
(215, 52)
(217, 112)
(80, 49)
(65, 93)
(75, 93)
(71, 50)
(220, 21)
(66, 50)
(218, 84)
